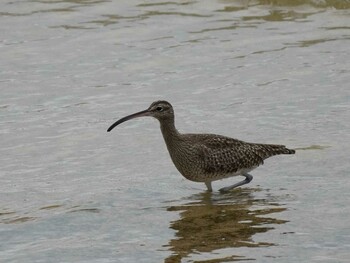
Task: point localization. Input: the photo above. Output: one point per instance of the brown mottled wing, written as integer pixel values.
(230, 159)
(226, 155)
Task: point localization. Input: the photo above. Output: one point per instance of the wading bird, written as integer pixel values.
(207, 157)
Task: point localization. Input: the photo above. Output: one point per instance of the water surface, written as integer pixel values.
(260, 71)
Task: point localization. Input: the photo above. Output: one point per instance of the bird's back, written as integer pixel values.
(219, 156)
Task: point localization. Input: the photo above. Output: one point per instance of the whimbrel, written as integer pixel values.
(207, 157)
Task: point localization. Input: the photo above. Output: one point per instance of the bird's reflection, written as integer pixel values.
(214, 221)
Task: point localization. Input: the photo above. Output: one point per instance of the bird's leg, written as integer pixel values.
(247, 180)
(208, 184)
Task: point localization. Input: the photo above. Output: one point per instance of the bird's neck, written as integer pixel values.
(170, 133)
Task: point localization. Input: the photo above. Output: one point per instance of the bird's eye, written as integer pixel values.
(159, 108)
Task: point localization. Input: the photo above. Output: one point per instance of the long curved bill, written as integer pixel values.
(129, 117)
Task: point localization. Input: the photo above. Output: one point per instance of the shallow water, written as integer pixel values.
(260, 71)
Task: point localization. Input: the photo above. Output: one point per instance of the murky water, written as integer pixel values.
(260, 71)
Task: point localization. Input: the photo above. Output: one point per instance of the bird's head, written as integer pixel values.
(161, 110)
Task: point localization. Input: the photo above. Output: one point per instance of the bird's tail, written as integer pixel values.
(267, 150)
(279, 149)
(284, 150)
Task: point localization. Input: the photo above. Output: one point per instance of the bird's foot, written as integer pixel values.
(247, 180)
(208, 184)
